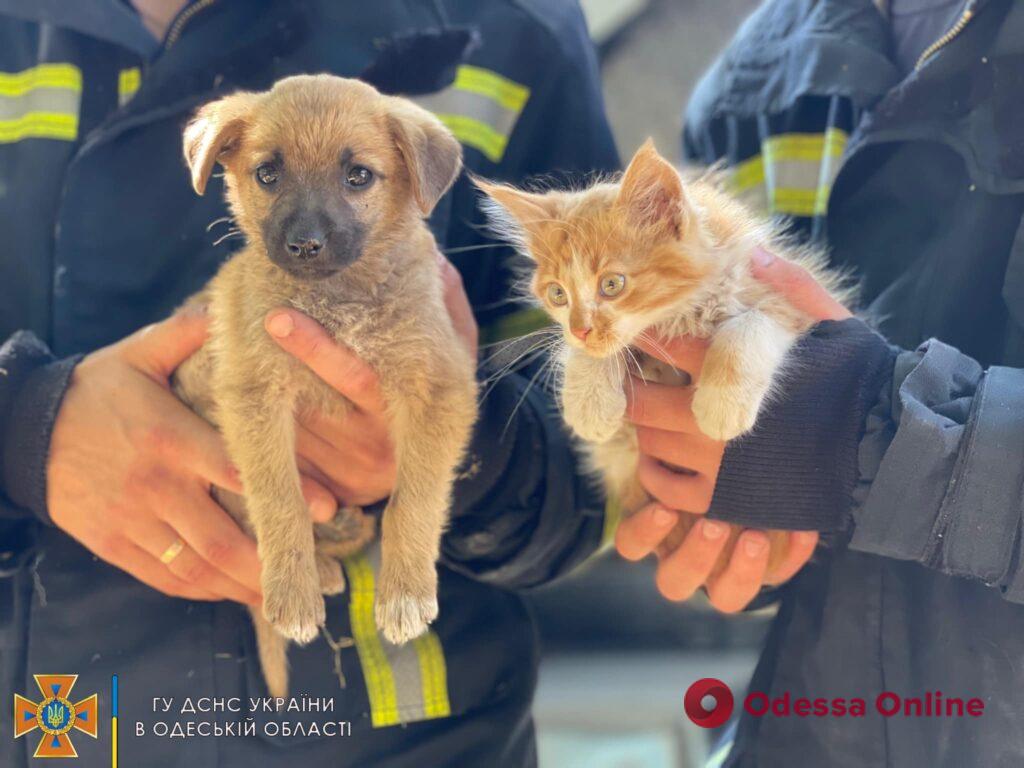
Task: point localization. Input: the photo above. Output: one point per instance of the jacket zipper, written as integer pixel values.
(183, 19)
(951, 34)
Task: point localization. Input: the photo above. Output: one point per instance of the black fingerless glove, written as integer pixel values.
(796, 470)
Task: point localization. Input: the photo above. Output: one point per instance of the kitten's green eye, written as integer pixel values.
(556, 295)
(612, 284)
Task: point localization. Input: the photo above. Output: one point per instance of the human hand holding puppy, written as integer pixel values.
(668, 436)
(130, 466)
(130, 470)
(354, 456)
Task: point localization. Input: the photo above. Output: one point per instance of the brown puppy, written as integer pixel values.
(330, 181)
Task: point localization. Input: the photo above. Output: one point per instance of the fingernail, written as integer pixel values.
(280, 325)
(663, 518)
(762, 257)
(712, 530)
(754, 545)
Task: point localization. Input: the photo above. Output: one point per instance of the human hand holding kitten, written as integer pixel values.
(667, 434)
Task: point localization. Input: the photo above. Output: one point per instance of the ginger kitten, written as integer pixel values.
(651, 252)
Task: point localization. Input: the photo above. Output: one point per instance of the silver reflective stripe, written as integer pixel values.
(480, 107)
(404, 683)
(41, 102)
(793, 175)
(53, 100)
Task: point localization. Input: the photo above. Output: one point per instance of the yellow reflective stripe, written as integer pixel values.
(804, 146)
(40, 102)
(433, 676)
(515, 324)
(40, 125)
(808, 160)
(380, 680)
(509, 94)
(612, 518)
(43, 76)
(128, 81)
(799, 202)
(480, 107)
(477, 134)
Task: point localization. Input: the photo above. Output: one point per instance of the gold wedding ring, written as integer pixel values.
(172, 551)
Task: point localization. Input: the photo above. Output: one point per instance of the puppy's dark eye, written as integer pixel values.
(267, 174)
(358, 176)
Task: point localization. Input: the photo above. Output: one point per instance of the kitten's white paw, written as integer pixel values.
(596, 419)
(723, 413)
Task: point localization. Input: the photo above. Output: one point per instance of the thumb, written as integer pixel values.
(796, 285)
(158, 349)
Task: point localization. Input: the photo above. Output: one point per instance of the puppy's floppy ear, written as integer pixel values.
(213, 133)
(651, 192)
(431, 154)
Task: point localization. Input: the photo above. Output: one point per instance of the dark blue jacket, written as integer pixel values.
(918, 185)
(102, 234)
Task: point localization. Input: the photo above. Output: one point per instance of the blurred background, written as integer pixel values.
(618, 657)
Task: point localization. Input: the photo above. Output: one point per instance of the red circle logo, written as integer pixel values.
(700, 715)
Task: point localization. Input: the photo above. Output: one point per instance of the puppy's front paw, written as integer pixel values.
(723, 413)
(292, 600)
(596, 419)
(405, 605)
(332, 577)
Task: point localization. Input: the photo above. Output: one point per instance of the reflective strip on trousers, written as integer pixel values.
(404, 683)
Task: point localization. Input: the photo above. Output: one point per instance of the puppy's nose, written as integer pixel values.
(581, 333)
(306, 246)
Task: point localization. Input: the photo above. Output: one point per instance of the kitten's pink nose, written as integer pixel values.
(581, 333)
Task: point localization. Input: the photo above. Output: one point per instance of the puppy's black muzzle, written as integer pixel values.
(309, 241)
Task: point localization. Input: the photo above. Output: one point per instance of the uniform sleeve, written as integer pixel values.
(913, 455)
(523, 513)
(32, 385)
(942, 469)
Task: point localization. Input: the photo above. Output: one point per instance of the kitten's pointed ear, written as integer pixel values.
(513, 212)
(652, 193)
(214, 133)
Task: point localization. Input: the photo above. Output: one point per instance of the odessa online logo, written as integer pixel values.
(708, 702)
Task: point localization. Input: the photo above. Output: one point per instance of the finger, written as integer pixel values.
(682, 572)
(683, 352)
(157, 538)
(322, 503)
(796, 285)
(337, 365)
(800, 548)
(743, 577)
(135, 561)
(212, 534)
(697, 453)
(354, 472)
(160, 348)
(200, 449)
(638, 535)
(457, 304)
(675, 490)
(662, 406)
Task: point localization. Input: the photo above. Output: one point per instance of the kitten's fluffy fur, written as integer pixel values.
(683, 250)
